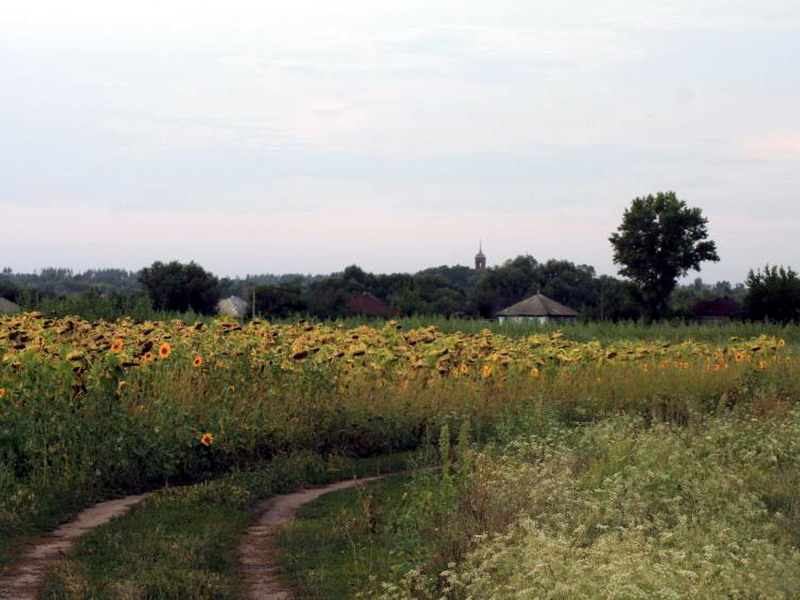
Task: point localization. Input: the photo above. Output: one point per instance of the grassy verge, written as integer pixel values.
(614, 509)
(345, 539)
(181, 542)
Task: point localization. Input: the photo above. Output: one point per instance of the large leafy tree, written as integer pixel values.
(179, 287)
(660, 239)
(773, 294)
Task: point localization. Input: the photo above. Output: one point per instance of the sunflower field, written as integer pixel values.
(89, 409)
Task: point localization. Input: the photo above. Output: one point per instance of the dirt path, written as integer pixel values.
(257, 555)
(21, 581)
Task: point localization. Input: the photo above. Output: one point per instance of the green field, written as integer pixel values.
(598, 460)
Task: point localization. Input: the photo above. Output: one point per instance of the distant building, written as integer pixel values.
(720, 310)
(7, 307)
(367, 305)
(537, 308)
(480, 259)
(233, 307)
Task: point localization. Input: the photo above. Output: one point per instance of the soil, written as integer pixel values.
(22, 580)
(257, 554)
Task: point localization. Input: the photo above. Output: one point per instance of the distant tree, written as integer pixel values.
(614, 301)
(327, 298)
(773, 294)
(504, 285)
(280, 300)
(177, 287)
(8, 289)
(660, 239)
(459, 276)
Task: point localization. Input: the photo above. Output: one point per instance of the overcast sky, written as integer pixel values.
(304, 136)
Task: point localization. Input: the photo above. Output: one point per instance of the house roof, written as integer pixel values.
(368, 305)
(538, 305)
(7, 307)
(718, 307)
(234, 307)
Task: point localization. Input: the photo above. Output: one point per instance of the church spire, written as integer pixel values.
(480, 258)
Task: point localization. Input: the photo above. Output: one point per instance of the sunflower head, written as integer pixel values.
(164, 350)
(207, 438)
(197, 362)
(76, 356)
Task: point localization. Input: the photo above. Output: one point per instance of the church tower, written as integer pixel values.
(480, 259)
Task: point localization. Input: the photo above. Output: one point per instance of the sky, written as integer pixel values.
(305, 136)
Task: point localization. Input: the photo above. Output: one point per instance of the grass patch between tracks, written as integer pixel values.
(181, 542)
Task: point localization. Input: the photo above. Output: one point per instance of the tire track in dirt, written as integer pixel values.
(257, 553)
(22, 580)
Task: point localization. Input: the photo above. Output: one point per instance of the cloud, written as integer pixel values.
(676, 18)
(775, 146)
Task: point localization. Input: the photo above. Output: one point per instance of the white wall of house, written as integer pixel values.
(521, 319)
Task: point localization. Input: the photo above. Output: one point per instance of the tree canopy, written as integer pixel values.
(660, 239)
(773, 294)
(178, 287)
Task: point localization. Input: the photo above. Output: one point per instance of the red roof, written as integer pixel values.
(718, 307)
(370, 306)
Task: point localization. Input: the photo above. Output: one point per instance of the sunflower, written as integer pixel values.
(164, 350)
(117, 346)
(197, 362)
(148, 356)
(207, 439)
(2, 392)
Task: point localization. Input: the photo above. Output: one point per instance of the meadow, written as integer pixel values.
(93, 409)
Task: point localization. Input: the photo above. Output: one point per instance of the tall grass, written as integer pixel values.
(604, 331)
(618, 509)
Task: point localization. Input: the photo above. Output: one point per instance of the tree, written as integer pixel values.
(660, 239)
(179, 287)
(773, 294)
(280, 300)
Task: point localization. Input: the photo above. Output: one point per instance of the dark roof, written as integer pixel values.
(7, 307)
(370, 306)
(718, 307)
(538, 305)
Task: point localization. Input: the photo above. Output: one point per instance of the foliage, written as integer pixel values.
(660, 239)
(8, 289)
(617, 509)
(450, 291)
(280, 300)
(53, 282)
(177, 287)
(773, 294)
(88, 408)
(574, 285)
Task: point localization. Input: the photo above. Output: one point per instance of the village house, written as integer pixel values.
(233, 307)
(538, 308)
(7, 307)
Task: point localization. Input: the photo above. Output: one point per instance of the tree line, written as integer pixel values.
(659, 240)
(444, 290)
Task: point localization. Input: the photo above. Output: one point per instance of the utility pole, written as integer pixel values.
(254, 300)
